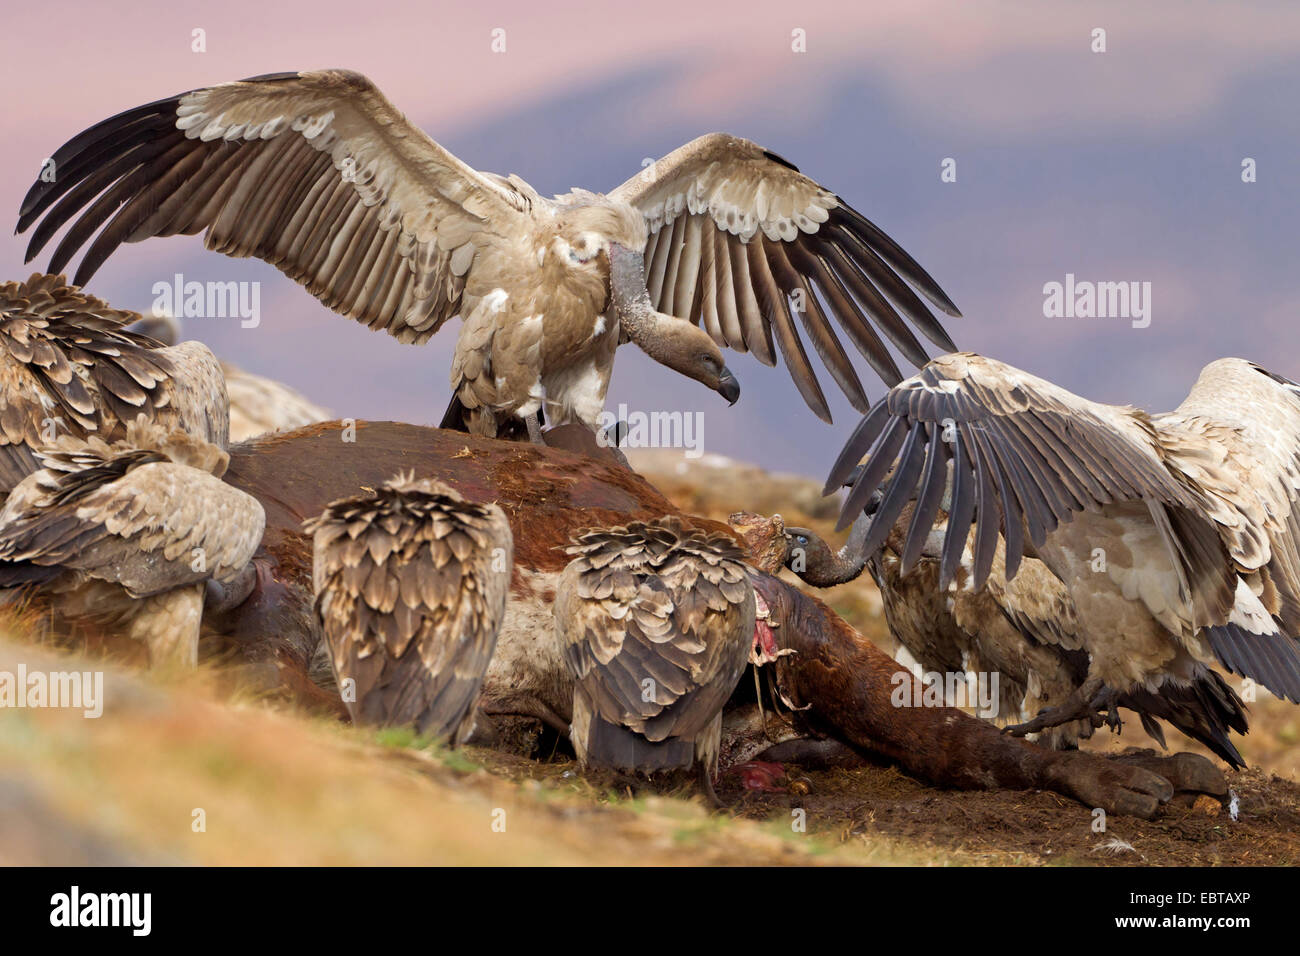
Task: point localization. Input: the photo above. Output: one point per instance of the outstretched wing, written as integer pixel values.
(315, 173)
(1020, 455)
(741, 241)
(136, 519)
(1237, 435)
(411, 590)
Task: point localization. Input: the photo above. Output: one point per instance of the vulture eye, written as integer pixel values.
(801, 538)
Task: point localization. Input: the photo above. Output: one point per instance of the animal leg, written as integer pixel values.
(534, 429)
(706, 787)
(168, 624)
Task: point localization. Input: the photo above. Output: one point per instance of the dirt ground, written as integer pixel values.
(271, 785)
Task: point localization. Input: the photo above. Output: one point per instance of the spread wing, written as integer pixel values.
(742, 242)
(136, 519)
(1237, 435)
(1021, 456)
(411, 589)
(315, 173)
(658, 650)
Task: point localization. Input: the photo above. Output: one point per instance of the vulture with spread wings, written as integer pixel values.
(719, 244)
(1177, 535)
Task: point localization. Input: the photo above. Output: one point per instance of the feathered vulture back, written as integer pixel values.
(656, 621)
(411, 585)
(69, 366)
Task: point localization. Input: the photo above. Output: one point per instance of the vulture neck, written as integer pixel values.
(648, 328)
(828, 568)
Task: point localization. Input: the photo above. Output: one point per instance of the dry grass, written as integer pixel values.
(279, 787)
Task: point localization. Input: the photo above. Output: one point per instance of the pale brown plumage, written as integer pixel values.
(70, 367)
(656, 622)
(318, 174)
(128, 534)
(1173, 533)
(1025, 631)
(411, 586)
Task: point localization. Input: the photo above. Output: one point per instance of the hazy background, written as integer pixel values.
(1117, 166)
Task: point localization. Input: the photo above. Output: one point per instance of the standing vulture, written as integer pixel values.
(129, 535)
(1175, 535)
(411, 584)
(1026, 631)
(656, 624)
(319, 175)
(69, 366)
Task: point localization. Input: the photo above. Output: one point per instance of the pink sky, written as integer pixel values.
(1009, 88)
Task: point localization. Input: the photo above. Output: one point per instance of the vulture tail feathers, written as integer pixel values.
(1269, 659)
(1204, 710)
(610, 745)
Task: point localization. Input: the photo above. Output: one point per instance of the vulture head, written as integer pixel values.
(670, 341)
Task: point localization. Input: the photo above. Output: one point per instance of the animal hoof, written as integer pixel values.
(1187, 772)
(1114, 787)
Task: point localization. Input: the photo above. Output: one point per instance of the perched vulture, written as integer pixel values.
(1175, 534)
(319, 175)
(128, 536)
(258, 405)
(411, 584)
(656, 624)
(70, 367)
(1025, 630)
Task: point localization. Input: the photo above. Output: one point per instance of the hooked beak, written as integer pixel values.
(728, 387)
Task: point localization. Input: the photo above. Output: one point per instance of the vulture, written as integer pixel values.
(1025, 630)
(721, 243)
(1174, 535)
(656, 626)
(258, 405)
(69, 366)
(411, 583)
(131, 535)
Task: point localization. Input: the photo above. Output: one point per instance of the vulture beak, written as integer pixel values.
(728, 387)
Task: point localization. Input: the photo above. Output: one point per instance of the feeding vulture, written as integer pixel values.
(656, 625)
(1026, 631)
(129, 535)
(319, 175)
(1175, 534)
(411, 584)
(69, 366)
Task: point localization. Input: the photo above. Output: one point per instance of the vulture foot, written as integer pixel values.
(706, 789)
(1084, 704)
